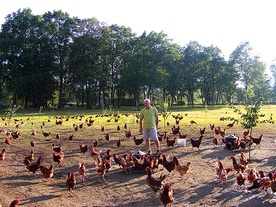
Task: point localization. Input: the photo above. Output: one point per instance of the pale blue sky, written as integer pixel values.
(222, 23)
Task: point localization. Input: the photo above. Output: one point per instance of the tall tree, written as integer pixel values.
(60, 30)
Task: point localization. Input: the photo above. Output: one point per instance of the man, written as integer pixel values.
(149, 125)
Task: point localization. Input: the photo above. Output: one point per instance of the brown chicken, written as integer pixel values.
(83, 148)
(215, 140)
(252, 175)
(128, 133)
(245, 133)
(118, 160)
(231, 124)
(34, 166)
(29, 158)
(202, 131)
(101, 169)
(107, 137)
(170, 142)
(154, 183)
(222, 172)
(166, 196)
(71, 182)
(138, 141)
(95, 143)
(95, 154)
(108, 158)
(196, 143)
(14, 203)
(2, 154)
(265, 183)
(168, 165)
(129, 164)
(238, 167)
(57, 149)
(58, 157)
(119, 143)
(240, 179)
(181, 168)
(175, 130)
(46, 134)
(47, 172)
(8, 140)
(243, 159)
(81, 171)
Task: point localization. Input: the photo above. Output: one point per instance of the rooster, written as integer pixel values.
(180, 168)
(71, 182)
(222, 172)
(166, 196)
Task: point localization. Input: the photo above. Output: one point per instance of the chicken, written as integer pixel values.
(46, 134)
(128, 164)
(181, 168)
(212, 126)
(238, 167)
(240, 179)
(118, 160)
(196, 143)
(107, 157)
(14, 203)
(138, 141)
(15, 135)
(257, 141)
(222, 172)
(245, 133)
(57, 149)
(223, 133)
(107, 137)
(71, 137)
(32, 143)
(202, 131)
(154, 183)
(102, 128)
(243, 159)
(192, 122)
(170, 143)
(83, 148)
(182, 136)
(94, 154)
(8, 140)
(71, 182)
(34, 166)
(175, 130)
(217, 130)
(47, 172)
(58, 136)
(81, 171)
(128, 133)
(101, 169)
(95, 143)
(168, 165)
(118, 128)
(252, 175)
(119, 143)
(29, 158)
(255, 185)
(141, 164)
(231, 124)
(166, 196)
(215, 140)
(265, 183)
(273, 181)
(58, 157)
(3, 154)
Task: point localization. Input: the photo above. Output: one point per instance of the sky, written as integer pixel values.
(221, 23)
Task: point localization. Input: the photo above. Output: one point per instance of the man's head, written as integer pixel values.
(147, 103)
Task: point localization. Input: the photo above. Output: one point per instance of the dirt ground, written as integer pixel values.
(201, 188)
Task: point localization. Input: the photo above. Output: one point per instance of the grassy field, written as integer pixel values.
(199, 190)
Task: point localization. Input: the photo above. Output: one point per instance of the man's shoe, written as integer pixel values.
(149, 152)
(158, 152)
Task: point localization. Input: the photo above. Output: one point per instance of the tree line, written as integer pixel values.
(53, 59)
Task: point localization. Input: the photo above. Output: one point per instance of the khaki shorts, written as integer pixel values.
(150, 133)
